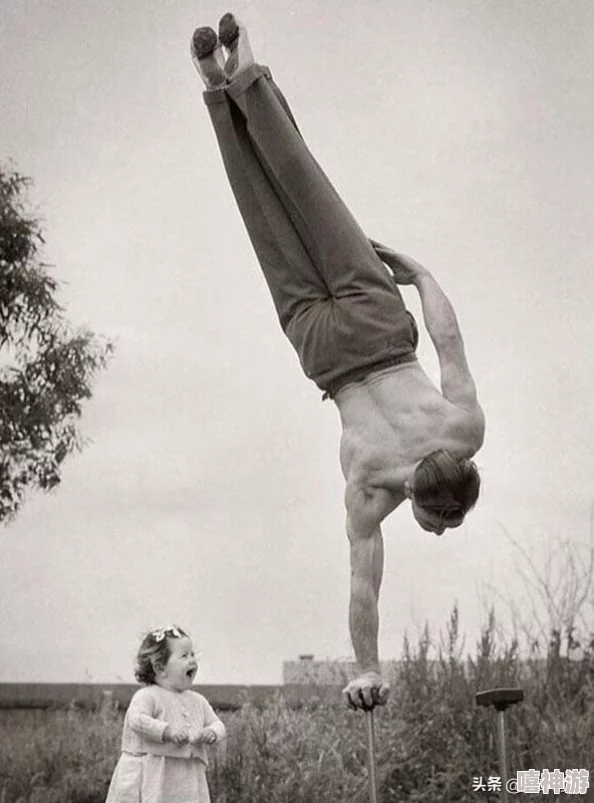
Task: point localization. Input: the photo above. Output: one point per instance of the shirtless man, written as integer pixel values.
(340, 307)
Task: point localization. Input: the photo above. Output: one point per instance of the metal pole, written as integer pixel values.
(502, 753)
(370, 733)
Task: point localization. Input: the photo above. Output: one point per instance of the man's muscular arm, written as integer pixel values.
(457, 384)
(365, 509)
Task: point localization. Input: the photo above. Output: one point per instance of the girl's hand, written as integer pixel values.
(180, 736)
(176, 735)
(405, 269)
(207, 735)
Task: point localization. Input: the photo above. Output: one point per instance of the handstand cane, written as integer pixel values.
(370, 734)
(500, 699)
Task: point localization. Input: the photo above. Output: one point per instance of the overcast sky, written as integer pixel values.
(458, 131)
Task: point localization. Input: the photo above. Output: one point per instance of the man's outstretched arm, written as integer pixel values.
(367, 563)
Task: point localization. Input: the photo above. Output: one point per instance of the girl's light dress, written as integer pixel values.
(153, 771)
(158, 779)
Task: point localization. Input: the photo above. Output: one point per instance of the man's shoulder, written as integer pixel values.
(367, 506)
(375, 481)
(468, 428)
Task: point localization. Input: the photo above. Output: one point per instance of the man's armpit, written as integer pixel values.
(366, 509)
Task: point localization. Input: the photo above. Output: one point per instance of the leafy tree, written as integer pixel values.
(46, 367)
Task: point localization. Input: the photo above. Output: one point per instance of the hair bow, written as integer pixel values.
(171, 630)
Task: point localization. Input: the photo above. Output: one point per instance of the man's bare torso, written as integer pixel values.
(391, 421)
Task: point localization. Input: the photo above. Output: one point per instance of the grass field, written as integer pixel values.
(432, 740)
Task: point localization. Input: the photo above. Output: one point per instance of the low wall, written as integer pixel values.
(93, 695)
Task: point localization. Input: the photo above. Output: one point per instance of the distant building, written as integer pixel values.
(327, 672)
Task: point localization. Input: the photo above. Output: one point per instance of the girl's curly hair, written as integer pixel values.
(154, 652)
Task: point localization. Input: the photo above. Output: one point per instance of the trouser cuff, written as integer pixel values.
(237, 86)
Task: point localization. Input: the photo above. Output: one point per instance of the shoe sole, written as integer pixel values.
(228, 30)
(204, 42)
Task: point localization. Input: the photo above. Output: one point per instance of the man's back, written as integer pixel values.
(395, 418)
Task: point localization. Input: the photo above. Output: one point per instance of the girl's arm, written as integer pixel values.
(141, 718)
(212, 721)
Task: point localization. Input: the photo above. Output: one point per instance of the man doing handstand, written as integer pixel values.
(343, 312)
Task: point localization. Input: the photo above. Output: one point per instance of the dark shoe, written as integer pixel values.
(204, 42)
(233, 36)
(228, 30)
(207, 56)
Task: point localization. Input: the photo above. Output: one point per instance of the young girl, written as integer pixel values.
(166, 728)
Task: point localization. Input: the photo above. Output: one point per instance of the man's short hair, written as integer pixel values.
(446, 484)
